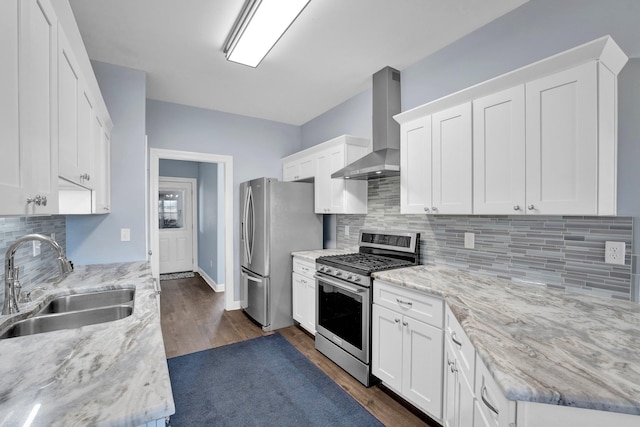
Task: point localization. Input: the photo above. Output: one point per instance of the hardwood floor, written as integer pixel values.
(194, 319)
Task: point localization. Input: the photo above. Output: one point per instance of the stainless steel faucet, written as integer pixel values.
(10, 304)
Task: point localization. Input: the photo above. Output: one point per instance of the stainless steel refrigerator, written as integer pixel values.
(277, 218)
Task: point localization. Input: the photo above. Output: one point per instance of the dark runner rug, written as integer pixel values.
(260, 382)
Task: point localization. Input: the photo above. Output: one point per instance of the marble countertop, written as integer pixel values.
(112, 373)
(315, 254)
(542, 345)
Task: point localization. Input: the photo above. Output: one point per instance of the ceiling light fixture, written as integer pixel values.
(259, 26)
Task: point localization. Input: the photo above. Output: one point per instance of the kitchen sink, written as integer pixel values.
(72, 319)
(88, 300)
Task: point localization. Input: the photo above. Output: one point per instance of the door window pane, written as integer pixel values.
(170, 209)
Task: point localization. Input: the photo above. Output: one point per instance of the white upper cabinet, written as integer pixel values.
(75, 118)
(451, 162)
(544, 140)
(101, 180)
(562, 142)
(415, 170)
(499, 153)
(29, 165)
(11, 180)
(332, 195)
(435, 163)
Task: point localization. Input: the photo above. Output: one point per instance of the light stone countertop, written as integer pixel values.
(315, 254)
(111, 374)
(542, 345)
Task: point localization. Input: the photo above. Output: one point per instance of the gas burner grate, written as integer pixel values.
(367, 262)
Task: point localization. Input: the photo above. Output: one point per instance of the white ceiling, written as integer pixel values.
(328, 54)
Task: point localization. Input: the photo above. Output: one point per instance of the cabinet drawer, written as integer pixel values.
(304, 267)
(420, 306)
(492, 407)
(462, 347)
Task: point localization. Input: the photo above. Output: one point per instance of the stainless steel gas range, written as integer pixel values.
(344, 296)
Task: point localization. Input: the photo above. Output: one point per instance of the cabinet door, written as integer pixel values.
(69, 96)
(451, 161)
(11, 173)
(422, 365)
(451, 401)
(298, 294)
(86, 117)
(338, 185)
(562, 146)
(499, 153)
(466, 399)
(310, 305)
(38, 101)
(322, 193)
(101, 177)
(386, 347)
(307, 168)
(290, 171)
(415, 166)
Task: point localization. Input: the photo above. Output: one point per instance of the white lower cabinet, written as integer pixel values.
(491, 408)
(304, 294)
(407, 354)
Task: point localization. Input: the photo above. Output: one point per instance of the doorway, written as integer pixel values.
(177, 219)
(155, 154)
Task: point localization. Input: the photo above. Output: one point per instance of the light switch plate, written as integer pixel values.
(125, 234)
(469, 240)
(614, 253)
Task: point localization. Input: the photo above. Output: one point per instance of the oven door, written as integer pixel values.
(343, 314)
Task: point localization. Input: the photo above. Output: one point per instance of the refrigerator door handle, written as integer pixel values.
(253, 279)
(252, 224)
(245, 225)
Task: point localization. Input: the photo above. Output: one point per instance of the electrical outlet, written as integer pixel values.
(125, 234)
(36, 247)
(614, 253)
(469, 240)
(346, 231)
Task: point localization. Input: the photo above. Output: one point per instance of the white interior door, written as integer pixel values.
(175, 224)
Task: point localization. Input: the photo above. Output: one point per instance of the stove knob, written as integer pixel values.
(350, 277)
(356, 278)
(338, 273)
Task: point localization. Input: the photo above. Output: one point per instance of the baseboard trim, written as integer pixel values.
(217, 287)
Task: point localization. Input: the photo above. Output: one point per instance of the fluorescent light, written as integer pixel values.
(259, 26)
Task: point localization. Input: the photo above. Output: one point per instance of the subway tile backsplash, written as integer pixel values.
(34, 271)
(559, 252)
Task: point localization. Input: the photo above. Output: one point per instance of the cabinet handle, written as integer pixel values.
(486, 402)
(396, 320)
(38, 200)
(516, 208)
(409, 303)
(452, 366)
(85, 176)
(434, 209)
(426, 209)
(405, 323)
(455, 340)
(531, 207)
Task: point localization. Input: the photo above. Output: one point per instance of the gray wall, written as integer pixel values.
(178, 169)
(256, 145)
(94, 239)
(210, 225)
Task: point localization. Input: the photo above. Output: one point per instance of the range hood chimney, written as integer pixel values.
(385, 158)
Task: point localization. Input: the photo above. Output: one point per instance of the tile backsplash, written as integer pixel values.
(34, 271)
(559, 252)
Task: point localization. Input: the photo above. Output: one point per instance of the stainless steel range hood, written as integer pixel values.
(385, 158)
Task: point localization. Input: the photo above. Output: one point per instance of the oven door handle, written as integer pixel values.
(339, 284)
